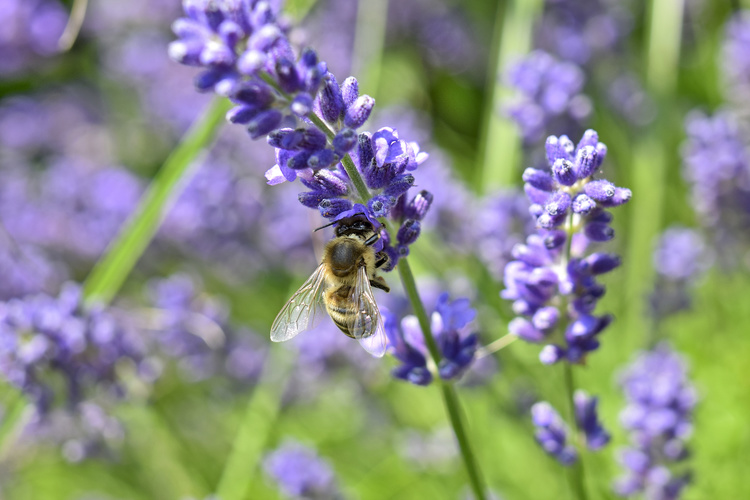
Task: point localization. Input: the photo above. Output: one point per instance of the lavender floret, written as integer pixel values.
(551, 433)
(450, 327)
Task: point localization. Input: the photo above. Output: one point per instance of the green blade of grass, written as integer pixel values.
(115, 265)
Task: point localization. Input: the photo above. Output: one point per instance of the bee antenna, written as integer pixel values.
(327, 225)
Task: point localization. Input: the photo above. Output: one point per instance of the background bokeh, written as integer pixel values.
(179, 372)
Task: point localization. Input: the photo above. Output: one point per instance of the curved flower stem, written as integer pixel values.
(450, 398)
(75, 21)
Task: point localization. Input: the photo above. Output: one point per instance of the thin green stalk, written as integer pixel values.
(577, 474)
(450, 398)
(255, 428)
(112, 269)
(500, 143)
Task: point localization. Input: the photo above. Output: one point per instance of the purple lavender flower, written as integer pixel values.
(660, 402)
(552, 281)
(247, 57)
(582, 31)
(301, 473)
(450, 328)
(716, 164)
(192, 328)
(45, 340)
(551, 433)
(680, 258)
(550, 97)
(32, 30)
(588, 421)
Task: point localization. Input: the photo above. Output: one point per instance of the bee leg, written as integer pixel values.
(379, 282)
(372, 239)
(382, 259)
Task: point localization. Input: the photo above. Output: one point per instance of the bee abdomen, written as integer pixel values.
(340, 317)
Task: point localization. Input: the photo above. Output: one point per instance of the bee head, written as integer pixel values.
(354, 225)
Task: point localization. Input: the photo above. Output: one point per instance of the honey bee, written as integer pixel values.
(342, 285)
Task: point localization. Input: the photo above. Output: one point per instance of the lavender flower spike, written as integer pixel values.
(305, 114)
(553, 267)
(660, 402)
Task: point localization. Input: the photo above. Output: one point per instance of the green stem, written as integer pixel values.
(577, 474)
(112, 269)
(255, 428)
(450, 398)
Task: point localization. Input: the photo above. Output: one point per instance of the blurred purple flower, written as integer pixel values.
(551, 433)
(300, 473)
(31, 30)
(582, 31)
(192, 329)
(498, 226)
(45, 339)
(550, 97)
(660, 402)
(716, 164)
(680, 258)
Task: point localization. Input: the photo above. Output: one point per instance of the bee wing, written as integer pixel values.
(366, 324)
(302, 311)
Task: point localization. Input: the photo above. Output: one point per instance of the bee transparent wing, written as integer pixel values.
(303, 311)
(366, 324)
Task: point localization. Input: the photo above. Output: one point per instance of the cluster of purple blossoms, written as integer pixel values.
(717, 166)
(193, 328)
(307, 116)
(552, 433)
(550, 96)
(300, 473)
(45, 339)
(581, 31)
(681, 256)
(551, 277)
(32, 30)
(450, 327)
(658, 416)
